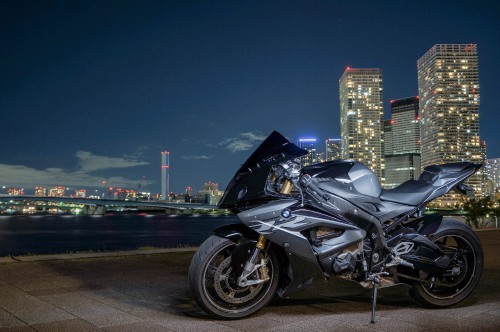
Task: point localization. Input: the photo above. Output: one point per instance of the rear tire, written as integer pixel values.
(213, 285)
(440, 292)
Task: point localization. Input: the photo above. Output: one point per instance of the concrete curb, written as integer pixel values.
(34, 258)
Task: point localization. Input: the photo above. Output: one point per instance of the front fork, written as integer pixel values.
(251, 265)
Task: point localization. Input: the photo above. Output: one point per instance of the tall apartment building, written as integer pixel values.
(333, 149)
(492, 170)
(402, 142)
(361, 116)
(448, 85)
(387, 138)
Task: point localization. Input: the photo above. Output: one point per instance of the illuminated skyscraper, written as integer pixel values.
(361, 114)
(333, 149)
(402, 142)
(308, 144)
(492, 170)
(387, 148)
(405, 125)
(448, 85)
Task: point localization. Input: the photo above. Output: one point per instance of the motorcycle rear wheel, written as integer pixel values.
(213, 285)
(445, 291)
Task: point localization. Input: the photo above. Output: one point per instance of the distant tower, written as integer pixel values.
(165, 166)
(361, 112)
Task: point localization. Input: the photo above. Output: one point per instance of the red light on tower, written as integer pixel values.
(347, 68)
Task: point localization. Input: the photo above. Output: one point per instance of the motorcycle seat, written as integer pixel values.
(432, 172)
(414, 192)
(411, 192)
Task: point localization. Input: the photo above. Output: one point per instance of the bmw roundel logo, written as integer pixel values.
(286, 213)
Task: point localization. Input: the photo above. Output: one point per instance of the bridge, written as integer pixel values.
(100, 206)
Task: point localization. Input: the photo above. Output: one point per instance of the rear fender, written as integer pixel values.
(429, 224)
(435, 223)
(449, 223)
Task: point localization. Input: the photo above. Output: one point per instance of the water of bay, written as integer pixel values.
(22, 235)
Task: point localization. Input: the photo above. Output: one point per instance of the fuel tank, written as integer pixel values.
(347, 172)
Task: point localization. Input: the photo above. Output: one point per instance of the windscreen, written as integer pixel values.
(250, 179)
(275, 144)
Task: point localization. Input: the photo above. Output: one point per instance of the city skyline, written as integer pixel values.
(94, 92)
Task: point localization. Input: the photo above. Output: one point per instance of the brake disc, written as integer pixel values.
(229, 291)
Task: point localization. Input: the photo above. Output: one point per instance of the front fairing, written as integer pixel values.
(249, 183)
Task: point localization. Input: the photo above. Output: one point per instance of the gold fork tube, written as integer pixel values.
(261, 242)
(287, 188)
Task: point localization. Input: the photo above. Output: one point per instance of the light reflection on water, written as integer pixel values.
(68, 233)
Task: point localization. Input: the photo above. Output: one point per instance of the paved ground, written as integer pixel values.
(150, 293)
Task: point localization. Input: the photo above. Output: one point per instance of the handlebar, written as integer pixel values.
(307, 181)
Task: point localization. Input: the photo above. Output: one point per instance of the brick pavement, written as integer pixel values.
(149, 292)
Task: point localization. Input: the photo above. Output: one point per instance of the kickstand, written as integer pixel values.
(375, 279)
(376, 282)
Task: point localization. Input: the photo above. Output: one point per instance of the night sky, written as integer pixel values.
(95, 90)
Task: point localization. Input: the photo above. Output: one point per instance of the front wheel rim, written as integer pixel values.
(220, 288)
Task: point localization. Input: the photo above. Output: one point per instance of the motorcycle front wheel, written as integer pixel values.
(213, 283)
(462, 275)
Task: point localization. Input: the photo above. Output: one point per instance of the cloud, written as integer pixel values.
(139, 153)
(244, 142)
(29, 177)
(202, 157)
(89, 162)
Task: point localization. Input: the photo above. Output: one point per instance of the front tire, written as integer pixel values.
(444, 291)
(213, 285)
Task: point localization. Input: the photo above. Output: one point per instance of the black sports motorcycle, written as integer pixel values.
(302, 227)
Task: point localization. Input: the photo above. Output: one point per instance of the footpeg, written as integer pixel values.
(396, 260)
